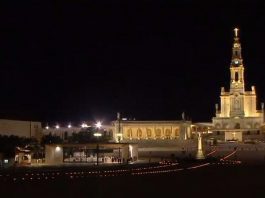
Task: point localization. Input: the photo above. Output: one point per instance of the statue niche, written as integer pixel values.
(148, 133)
(139, 133)
(168, 133)
(158, 133)
(176, 133)
(129, 133)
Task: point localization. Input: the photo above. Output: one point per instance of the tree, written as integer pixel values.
(9, 143)
(51, 139)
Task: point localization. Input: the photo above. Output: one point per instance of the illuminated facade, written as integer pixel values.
(125, 130)
(238, 115)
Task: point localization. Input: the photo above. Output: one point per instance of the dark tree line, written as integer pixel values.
(87, 136)
(51, 139)
(84, 136)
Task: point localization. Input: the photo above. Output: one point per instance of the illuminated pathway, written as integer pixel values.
(229, 155)
(162, 168)
(64, 174)
(212, 152)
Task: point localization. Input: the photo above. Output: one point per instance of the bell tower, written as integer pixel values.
(237, 84)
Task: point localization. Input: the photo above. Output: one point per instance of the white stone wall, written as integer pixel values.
(225, 106)
(21, 128)
(250, 106)
(244, 123)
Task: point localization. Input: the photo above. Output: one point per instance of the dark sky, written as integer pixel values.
(85, 60)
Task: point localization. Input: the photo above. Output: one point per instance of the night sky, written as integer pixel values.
(149, 60)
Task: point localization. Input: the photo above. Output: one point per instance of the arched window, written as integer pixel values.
(168, 133)
(176, 132)
(129, 133)
(148, 133)
(237, 126)
(236, 76)
(218, 126)
(225, 125)
(139, 133)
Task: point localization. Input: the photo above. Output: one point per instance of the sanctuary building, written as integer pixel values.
(237, 118)
(133, 131)
(238, 115)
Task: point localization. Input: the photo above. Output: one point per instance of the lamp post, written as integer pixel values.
(120, 155)
(97, 134)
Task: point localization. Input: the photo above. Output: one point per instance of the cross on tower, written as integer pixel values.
(236, 31)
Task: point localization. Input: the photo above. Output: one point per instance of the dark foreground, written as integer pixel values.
(210, 181)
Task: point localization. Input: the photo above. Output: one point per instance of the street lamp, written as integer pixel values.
(98, 125)
(97, 134)
(84, 125)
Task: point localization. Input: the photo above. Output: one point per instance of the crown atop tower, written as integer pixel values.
(236, 51)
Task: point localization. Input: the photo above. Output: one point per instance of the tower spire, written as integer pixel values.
(236, 66)
(236, 51)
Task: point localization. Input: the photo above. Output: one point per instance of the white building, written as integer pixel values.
(27, 129)
(238, 114)
(128, 130)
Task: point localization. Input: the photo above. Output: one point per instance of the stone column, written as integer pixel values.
(199, 154)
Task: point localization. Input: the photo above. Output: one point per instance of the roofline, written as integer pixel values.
(154, 121)
(90, 144)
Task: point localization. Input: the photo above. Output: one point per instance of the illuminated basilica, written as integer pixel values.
(237, 118)
(238, 115)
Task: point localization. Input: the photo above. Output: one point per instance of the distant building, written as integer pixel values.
(101, 153)
(238, 115)
(27, 129)
(65, 131)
